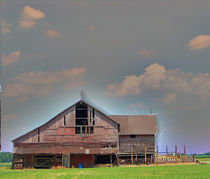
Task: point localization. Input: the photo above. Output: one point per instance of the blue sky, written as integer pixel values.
(126, 55)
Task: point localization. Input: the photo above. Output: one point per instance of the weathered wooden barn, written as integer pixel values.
(83, 136)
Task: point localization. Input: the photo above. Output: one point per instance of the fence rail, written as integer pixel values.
(156, 158)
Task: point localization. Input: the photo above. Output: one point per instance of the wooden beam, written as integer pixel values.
(145, 154)
(131, 154)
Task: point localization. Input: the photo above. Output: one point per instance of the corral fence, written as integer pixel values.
(157, 157)
(172, 157)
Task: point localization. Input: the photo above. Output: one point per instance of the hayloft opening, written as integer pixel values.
(81, 114)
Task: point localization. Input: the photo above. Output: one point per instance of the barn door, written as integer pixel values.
(66, 160)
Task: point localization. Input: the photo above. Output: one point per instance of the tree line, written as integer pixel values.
(5, 157)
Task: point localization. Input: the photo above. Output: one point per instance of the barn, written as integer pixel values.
(83, 136)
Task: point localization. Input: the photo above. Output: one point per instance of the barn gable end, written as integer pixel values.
(63, 132)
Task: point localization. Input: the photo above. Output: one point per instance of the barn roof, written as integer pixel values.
(135, 124)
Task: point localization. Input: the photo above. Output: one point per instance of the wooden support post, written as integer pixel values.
(151, 162)
(145, 154)
(156, 156)
(131, 154)
(117, 160)
(32, 161)
(111, 158)
(166, 154)
(184, 153)
(176, 152)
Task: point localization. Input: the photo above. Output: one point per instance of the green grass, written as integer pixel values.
(203, 159)
(163, 172)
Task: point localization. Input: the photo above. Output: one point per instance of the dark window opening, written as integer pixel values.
(90, 117)
(81, 114)
(91, 130)
(83, 130)
(58, 158)
(77, 130)
(82, 121)
(38, 135)
(93, 111)
(64, 120)
(132, 136)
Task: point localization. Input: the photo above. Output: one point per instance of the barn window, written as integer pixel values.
(81, 114)
(91, 130)
(77, 131)
(93, 111)
(83, 130)
(84, 119)
(132, 136)
(58, 158)
(64, 120)
(38, 135)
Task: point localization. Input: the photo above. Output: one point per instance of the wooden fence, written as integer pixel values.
(157, 158)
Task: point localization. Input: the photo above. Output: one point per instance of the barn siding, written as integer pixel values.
(137, 144)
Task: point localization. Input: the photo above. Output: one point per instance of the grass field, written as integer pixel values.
(203, 158)
(171, 171)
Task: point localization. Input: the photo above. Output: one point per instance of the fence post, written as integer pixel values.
(156, 156)
(145, 154)
(166, 154)
(176, 153)
(184, 153)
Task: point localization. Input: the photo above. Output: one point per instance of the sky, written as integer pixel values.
(128, 56)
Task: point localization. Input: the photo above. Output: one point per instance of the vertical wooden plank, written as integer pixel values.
(131, 154)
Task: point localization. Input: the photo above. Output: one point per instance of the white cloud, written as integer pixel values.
(52, 33)
(147, 53)
(11, 58)
(29, 16)
(199, 42)
(4, 27)
(157, 80)
(41, 83)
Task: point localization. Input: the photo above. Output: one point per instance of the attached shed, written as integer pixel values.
(137, 135)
